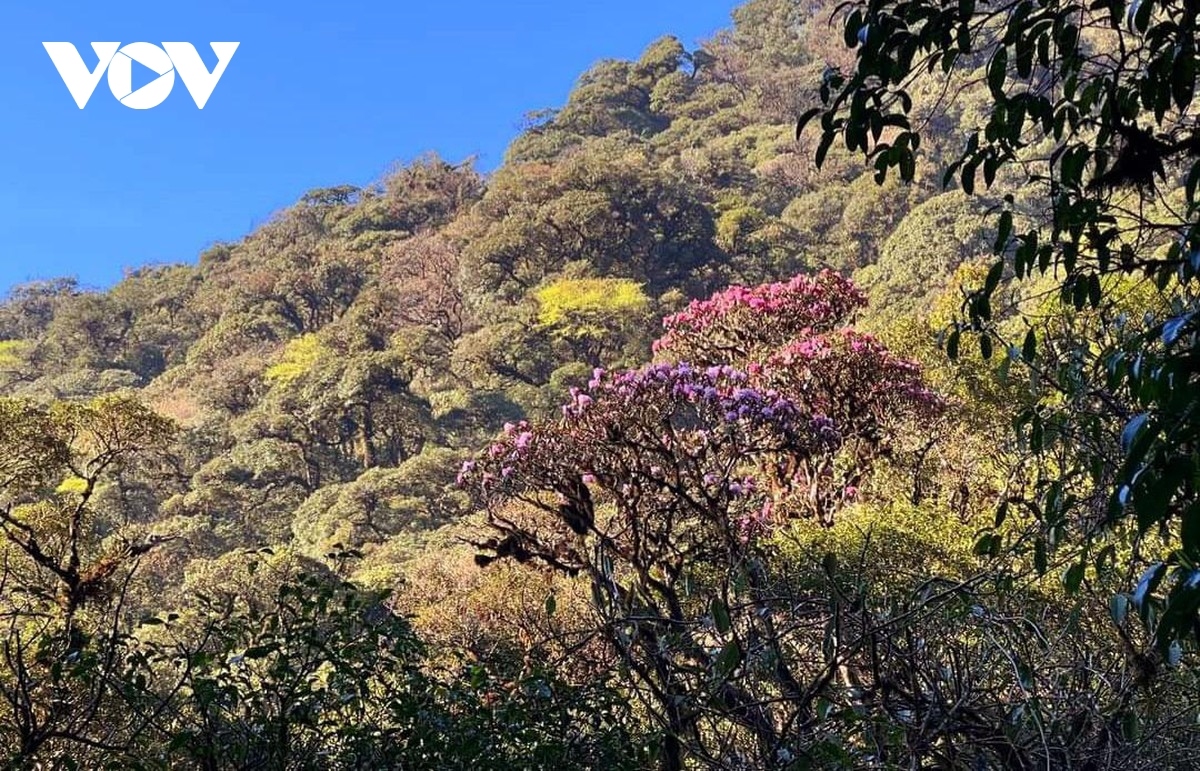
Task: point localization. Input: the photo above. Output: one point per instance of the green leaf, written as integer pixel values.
(1001, 513)
(720, 616)
(1151, 496)
(1130, 433)
(1003, 231)
(261, 651)
(1183, 77)
(881, 167)
(1174, 327)
(1072, 577)
(1146, 586)
(985, 346)
(1130, 725)
(823, 148)
(993, 277)
(952, 343)
(728, 659)
(1139, 14)
(1040, 560)
(850, 30)
(1118, 608)
(996, 72)
(968, 177)
(804, 119)
(1193, 182)
(1094, 290)
(1029, 347)
(1189, 532)
(1179, 612)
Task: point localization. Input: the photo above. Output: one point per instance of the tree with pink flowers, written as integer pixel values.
(741, 322)
(663, 486)
(793, 337)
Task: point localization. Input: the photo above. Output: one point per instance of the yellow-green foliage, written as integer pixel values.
(72, 485)
(1133, 297)
(299, 356)
(12, 352)
(736, 223)
(587, 307)
(46, 517)
(895, 545)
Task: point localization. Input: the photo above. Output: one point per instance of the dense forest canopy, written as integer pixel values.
(821, 397)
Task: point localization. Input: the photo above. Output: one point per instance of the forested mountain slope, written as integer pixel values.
(222, 442)
(352, 347)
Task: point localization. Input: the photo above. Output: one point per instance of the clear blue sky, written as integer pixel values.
(319, 93)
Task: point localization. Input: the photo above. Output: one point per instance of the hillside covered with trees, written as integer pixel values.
(825, 396)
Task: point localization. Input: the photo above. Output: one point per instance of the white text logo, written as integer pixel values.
(118, 61)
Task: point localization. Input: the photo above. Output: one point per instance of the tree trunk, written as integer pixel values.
(366, 430)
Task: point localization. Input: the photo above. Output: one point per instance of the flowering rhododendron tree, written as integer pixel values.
(792, 337)
(668, 445)
(741, 322)
(650, 485)
(663, 486)
(870, 395)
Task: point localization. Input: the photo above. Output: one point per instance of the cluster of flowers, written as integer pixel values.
(765, 373)
(849, 369)
(689, 411)
(719, 393)
(766, 315)
(519, 443)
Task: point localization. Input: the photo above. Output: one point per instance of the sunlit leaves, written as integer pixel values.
(1117, 131)
(298, 358)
